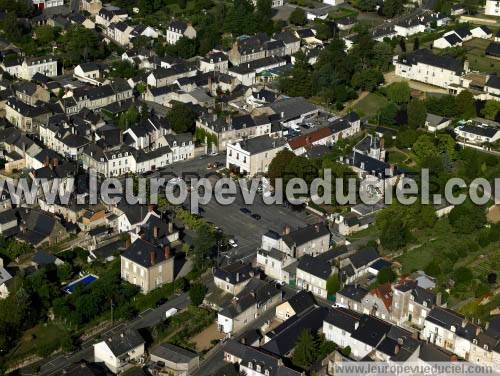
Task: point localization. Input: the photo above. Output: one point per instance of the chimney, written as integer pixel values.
(396, 349)
(438, 299)
(166, 252)
(155, 232)
(152, 257)
(170, 227)
(55, 162)
(47, 161)
(237, 277)
(286, 230)
(478, 330)
(316, 228)
(356, 325)
(464, 323)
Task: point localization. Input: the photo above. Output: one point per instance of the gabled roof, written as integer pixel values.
(353, 292)
(234, 273)
(145, 253)
(493, 81)
(425, 56)
(343, 318)
(123, 342)
(317, 267)
(302, 301)
(284, 337)
(309, 138)
(363, 257)
(173, 353)
(292, 108)
(453, 39)
(306, 234)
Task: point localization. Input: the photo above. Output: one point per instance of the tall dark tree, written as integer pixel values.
(402, 44)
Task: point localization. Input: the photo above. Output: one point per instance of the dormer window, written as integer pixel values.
(250, 365)
(257, 368)
(485, 347)
(266, 372)
(453, 329)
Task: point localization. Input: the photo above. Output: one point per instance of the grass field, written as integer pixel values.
(42, 340)
(478, 61)
(369, 105)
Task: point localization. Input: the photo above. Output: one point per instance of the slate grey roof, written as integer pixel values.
(234, 273)
(302, 301)
(121, 343)
(284, 337)
(292, 108)
(343, 318)
(431, 353)
(493, 81)
(42, 257)
(317, 267)
(425, 56)
(261, 144)
(306, 234)
(255, 293)
(481, 131)
(453, 39)
(4, 276)
(353, 292)
(141, 252)
(286, 36)
(446, 318)
(178, 26)
(266, 361)
(363, 257)
(173, 353)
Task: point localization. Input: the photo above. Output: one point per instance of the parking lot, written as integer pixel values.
(248, 231)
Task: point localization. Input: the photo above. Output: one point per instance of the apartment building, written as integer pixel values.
(147, 266)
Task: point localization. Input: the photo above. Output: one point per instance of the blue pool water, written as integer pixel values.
(84, 281)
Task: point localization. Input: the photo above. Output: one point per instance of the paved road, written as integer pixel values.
(151, 317)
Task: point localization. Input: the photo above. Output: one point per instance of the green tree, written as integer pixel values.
(128, 118)
(392, 7)
(45, 34)
(417, 113)
(279, 164)
(491, 109)
(386, 275)
(467, 217)
(182, 118)
(466, 104)
(424, 148)
(387, 114)
(399, 92)
(298, 17)
(197, 293)
(368, 79)
(123, 69)
(305, 350)
(203, 244)
(79, 44)
(333, 284)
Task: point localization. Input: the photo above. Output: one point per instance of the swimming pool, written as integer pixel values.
(84, 281)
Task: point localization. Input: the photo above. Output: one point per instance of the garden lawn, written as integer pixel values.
(370, 105)
(478, 61)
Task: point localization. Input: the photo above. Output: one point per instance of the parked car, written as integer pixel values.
(232, 243)
(256, 216)
(245, 211)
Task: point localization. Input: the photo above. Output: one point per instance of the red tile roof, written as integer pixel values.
(309, 138)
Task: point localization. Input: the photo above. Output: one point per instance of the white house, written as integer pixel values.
(44, 4)
(476, 132)
(215, 61)
(439, 70)
(32, 65)
(178, 29)
(253, 156)
(435, 123)
(492, 8)
(118, 350)
(313, 274)
(482, 32)
(5, 277)
(453, 332)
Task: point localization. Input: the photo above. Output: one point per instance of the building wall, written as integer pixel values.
(492, 8)
(147, 278)
(309, 282)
